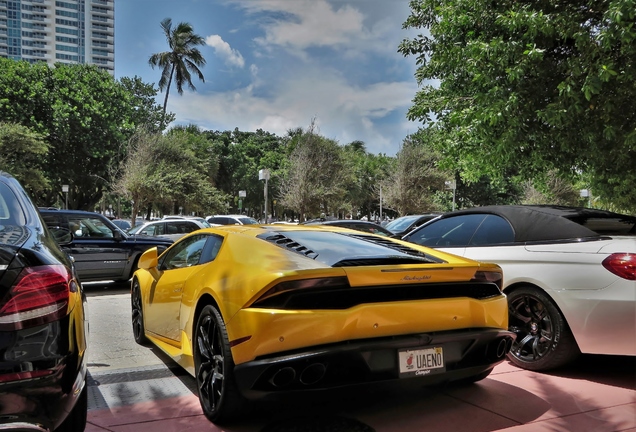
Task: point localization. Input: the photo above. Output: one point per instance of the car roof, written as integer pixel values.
(233, 215)
(544, 222)
(77, 212)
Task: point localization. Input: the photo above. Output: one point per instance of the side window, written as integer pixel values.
(89, 227)
(10, 211)
(187, 253)
(450, 232)
(211, 249)
(152, 230)
(53, 220)
(493, 230)
(172, 227)
(188, 227)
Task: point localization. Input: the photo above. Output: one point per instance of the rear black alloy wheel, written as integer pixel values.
(214, 367)
(139, 331)
(544, 340)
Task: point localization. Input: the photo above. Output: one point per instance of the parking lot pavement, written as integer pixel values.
(139, 389)
(596, 394)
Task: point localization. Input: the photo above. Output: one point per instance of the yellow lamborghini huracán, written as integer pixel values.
(251, 311)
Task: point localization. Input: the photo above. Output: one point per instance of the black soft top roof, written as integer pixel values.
(548, 222)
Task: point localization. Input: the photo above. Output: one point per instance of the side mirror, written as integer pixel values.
(148, 259)
(117, 235)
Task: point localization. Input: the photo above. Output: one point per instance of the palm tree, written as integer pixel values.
(182, 58)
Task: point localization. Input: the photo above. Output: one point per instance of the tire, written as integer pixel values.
(214, 367)
(139, 330)
(76, 420)
(544, 339)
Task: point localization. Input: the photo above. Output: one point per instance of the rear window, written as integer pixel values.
(10, 211)
(609, 225)
(332, 248)
(401, 224)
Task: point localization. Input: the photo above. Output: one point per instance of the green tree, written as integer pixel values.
(241, 156)
(147, 113)
(552, 191)
(166, 171)
(84, 115)
(414, 179)
(530, 86)
(315, 178)
(364, 173)
(182, 58)
(21, 151)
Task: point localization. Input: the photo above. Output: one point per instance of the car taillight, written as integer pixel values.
(488, 276)
(622, 265)
(39, 296)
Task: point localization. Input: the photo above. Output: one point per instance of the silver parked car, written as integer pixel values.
(170, 228)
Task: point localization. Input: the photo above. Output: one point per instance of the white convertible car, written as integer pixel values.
(569, 274)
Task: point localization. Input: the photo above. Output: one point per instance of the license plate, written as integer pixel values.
(421, 362)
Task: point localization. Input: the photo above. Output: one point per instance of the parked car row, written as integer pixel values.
(267, 309)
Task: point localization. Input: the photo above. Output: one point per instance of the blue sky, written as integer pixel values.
(277, 64)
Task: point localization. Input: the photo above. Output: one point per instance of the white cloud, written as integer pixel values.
(231, 56)
(297, 25)
(343, 112)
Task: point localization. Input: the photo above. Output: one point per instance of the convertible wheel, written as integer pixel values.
(139, 331)
(544, 340)
(214, 367)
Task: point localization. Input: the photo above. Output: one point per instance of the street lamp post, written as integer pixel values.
(65, 190)
(264, 175)
(242, 194)
(380, 203)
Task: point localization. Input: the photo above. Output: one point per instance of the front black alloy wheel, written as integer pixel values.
(214, 367)
(544, 340)
(139, 331)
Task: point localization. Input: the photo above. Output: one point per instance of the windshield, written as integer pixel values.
(400, 224)
(248, 221)
(135, 230)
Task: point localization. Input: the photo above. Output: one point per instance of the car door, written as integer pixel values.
(97, 252)
(164, 302)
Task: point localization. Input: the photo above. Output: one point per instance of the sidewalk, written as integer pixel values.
(597, 394)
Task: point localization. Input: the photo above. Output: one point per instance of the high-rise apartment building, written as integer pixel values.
(69, 31)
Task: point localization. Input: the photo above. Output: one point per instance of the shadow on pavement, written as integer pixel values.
(616, 371)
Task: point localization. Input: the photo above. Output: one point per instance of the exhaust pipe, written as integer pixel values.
(283, 377)
(313, 373)
(502, 348)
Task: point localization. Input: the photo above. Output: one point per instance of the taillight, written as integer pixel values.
(39, 296)
(622, 265)
(488, 276)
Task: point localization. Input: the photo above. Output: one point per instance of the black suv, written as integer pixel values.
(43, 324)
(100, 249)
